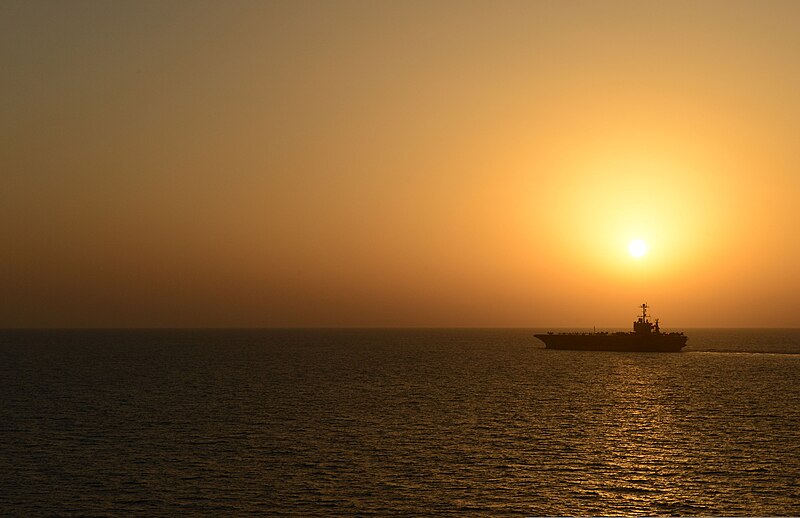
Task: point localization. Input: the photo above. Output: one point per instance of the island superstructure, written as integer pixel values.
(645, 337)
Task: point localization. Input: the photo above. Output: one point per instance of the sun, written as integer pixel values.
(637, 248)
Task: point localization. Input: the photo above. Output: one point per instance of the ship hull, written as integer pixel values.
(631, 342)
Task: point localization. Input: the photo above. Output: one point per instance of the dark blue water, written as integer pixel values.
(378, 422)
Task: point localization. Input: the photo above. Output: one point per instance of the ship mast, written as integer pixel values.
(642, 325)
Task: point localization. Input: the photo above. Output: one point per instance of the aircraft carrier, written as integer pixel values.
(645, 337)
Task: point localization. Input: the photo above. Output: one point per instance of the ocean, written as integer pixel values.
(462, 422)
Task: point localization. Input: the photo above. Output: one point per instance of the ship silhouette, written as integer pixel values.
(645, 337)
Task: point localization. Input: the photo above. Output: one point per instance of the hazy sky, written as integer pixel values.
(425, 163)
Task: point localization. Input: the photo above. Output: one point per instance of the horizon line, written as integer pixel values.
(356, 328)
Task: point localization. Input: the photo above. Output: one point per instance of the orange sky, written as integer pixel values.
(399, 163)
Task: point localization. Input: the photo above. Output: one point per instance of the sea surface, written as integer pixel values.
(395, 423)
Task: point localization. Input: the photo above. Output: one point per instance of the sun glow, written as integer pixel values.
(620, 189)
(637, 248)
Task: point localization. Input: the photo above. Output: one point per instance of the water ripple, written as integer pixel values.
(377, 423)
